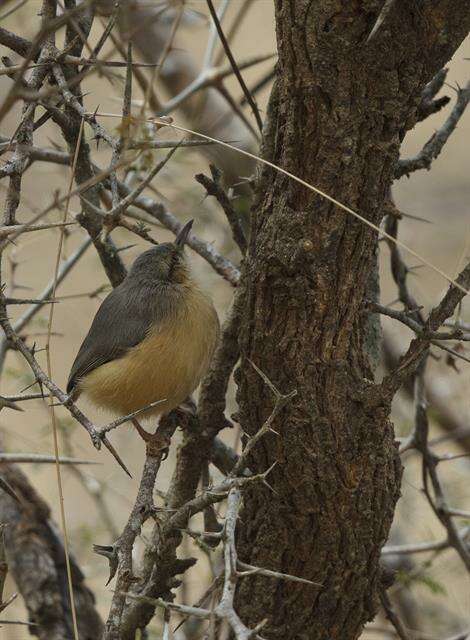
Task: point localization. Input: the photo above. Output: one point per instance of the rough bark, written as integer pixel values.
(337, 115)
(36, 561)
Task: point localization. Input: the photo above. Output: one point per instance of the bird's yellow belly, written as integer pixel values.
(167, 366)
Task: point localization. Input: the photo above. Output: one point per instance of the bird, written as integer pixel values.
(152, 338)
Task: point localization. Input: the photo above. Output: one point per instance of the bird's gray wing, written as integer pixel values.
(122, 321)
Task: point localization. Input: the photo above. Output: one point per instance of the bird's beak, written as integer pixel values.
(182, 236)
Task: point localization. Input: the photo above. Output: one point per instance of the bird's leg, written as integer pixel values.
(154, 441)
(145, 435)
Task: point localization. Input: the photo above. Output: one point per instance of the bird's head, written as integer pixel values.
(166, 262)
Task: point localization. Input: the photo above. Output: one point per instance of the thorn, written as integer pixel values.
(93, 117)
(31, 385)
(115, 454)
(6, 487)
(415, 267)
(4, 403)
(416, 218)
(24, 287)
(265, 378)
(125, 248)
(41, 388)
(266, 484)
(109, 552)
(268, 471)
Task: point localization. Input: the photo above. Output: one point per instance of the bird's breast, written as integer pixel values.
(167, 365)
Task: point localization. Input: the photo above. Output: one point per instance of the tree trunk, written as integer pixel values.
(337, 115)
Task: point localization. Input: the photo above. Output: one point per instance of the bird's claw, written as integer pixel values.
(157, 445)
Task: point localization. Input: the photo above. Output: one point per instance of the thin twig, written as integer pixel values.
(214, 188)
(117, 423)
(235, 68)
(38, 458)
(435, 144)
(392, 616)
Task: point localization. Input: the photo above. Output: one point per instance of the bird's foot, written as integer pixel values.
(157, 445)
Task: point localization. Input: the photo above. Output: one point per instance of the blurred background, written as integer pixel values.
(98, 498)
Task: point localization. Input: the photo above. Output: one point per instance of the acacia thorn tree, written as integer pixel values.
(309, 497)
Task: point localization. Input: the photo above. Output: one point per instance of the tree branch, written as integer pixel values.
(435, 144)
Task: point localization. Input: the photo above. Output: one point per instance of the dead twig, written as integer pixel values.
(435, 144)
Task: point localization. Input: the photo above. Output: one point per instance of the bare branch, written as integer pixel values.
(38, 458)
(392, 616)
(434, 145)
(429, 104)
(142, 509)
(225, 609)
(214, 188)
(119, 421)
(412, 358)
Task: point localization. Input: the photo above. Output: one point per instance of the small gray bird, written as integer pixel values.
(152, 338)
